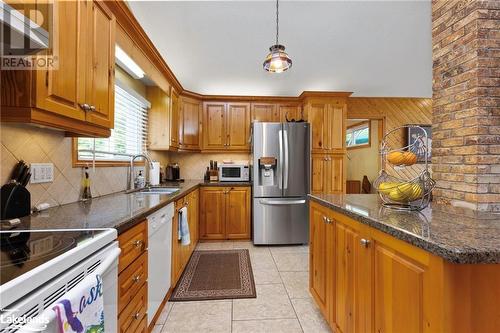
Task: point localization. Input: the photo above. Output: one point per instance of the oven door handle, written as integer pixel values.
(106, 263)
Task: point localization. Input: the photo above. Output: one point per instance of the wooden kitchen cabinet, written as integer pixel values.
(225, 212)
(289, 111)
(174, 119)
(189, 124)
(158, 119)
(327, 173)
(132, 279)
(264, 112)
(226, 126)
(77, 96)
(364, 280)
(321, 255)
(182, 253)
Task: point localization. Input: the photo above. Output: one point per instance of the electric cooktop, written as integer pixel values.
(24, 250)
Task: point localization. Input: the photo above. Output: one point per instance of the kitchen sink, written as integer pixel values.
(158, 190)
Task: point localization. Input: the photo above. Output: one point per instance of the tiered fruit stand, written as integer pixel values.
(404, 182)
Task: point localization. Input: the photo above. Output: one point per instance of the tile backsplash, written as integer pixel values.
(194, 165)
(40, 145)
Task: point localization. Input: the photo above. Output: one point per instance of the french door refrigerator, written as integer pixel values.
(281, 159)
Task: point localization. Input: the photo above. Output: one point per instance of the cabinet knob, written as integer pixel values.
(365, 242)
(137, 315)
(85, 107)
(136, 278)
(324, 219)
(138, 243)
(92, 108)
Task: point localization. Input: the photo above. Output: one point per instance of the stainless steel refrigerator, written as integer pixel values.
(281, 159)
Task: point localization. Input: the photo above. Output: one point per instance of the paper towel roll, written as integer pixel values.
(154, 173)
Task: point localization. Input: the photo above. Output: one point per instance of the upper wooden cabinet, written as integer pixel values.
(189, 124)
(226, 126)
(174, 119)
(158, 119)
(264, 112)
(289, 112)
(327, 117)
(78, 95)
(225, 212)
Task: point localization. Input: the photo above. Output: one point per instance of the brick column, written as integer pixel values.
(466, 103)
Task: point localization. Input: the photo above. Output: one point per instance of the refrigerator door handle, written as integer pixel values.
(285, 169)
(282, 202)
(280, 174)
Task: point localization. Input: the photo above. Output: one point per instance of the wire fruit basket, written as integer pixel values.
(402, 183)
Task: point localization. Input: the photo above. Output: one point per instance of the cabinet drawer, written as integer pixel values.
(131, 280)
(133, 243)
(132, 316)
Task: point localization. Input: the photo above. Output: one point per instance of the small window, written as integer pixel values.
(358, 135)
(129, 135)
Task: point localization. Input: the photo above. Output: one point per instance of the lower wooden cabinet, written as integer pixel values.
(132, 279)
(327, 173)
(225, 212)
(181, 253)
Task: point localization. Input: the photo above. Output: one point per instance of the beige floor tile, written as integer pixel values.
(266, 276)
(310, 317)
(289, 249)
(164, 314)
(208, 316)
(226, 245)
(267, 326)
(262, 261)
(250, 247)
(292, 262)
(296, 284)
(272, 302)
(157, 329)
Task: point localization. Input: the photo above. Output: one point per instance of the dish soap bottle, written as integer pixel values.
(86, 193)
(139, 181)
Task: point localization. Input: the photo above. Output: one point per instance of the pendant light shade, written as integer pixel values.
(277, 60)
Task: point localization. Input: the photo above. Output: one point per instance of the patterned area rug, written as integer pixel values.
(221, 274)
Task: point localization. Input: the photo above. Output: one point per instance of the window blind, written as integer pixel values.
(129, 135)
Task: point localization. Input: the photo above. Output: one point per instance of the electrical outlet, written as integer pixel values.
(42, 173)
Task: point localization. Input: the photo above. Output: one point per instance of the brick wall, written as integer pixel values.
(466, 103)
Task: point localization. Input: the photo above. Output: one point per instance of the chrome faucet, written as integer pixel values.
(130, 183)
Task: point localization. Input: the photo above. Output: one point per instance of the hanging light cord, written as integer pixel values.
(277, 22)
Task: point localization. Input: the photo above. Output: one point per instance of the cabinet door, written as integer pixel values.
(318, 169)
(265, 112)
(334, 174)
(317, 117)
(193, 202)
(212, 213)
(399, 286)
(353, 280)
(321, 256)
(62, 91)
(189, 129)
(238, 126)
(289, 112)
(336, 126)
(158, 119)
(237, 213)
(174, 119)
(101, 65)
(214, 126)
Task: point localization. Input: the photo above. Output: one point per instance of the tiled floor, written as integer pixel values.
(283, 302)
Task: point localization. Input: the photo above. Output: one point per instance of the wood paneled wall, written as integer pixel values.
(395, 112)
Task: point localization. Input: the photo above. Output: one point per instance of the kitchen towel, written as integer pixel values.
(81, 310)
(183, 227)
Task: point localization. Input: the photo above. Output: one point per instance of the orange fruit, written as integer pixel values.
(395, 157)
(409, 158)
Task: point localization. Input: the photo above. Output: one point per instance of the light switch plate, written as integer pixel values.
(42, 173)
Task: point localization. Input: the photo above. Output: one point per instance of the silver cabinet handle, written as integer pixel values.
(277, 202)
(329, 221)
(85, 107)
(324, 219)
(365, 242)
(92, 108)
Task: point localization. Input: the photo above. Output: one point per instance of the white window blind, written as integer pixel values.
(129, 135)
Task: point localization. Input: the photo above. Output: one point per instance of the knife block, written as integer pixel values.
(15, 201)
(213, 175)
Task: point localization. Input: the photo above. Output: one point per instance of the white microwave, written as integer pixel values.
(234, 173)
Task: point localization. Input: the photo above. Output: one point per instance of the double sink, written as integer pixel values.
(157, 190)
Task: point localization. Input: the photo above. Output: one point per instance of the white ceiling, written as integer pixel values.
(373, 48)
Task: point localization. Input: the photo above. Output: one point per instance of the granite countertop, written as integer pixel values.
(118, 210)
(455, 234)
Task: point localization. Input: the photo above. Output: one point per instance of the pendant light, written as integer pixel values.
(277, 60)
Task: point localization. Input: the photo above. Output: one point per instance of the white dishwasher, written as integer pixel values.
(159, 257)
